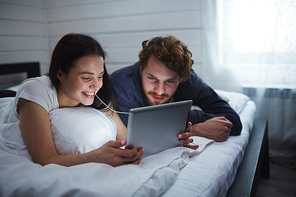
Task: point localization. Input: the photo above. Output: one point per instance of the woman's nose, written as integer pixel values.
(96, 84)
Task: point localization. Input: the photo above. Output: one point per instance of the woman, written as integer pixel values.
(77, 73)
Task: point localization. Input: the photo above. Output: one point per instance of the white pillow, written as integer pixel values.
(235, 99)
(81, 129)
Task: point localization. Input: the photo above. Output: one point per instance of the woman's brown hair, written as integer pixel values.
(68, 50)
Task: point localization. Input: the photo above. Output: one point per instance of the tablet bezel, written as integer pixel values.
(155, 128)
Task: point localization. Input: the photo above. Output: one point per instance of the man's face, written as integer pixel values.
(159, 83)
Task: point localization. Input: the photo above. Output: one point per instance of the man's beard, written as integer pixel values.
(153, 102)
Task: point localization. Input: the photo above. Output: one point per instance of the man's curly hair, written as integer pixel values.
(171, 52)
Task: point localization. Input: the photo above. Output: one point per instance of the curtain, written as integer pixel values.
(249, 46)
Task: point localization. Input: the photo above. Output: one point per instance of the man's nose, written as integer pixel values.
(160, 89)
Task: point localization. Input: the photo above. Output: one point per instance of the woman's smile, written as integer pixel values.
(89, 95)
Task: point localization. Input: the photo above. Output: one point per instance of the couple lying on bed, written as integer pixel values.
(77, 75)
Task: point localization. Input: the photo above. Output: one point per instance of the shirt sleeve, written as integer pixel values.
(211, 104)
(33, 90)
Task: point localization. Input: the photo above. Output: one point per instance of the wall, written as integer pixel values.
(22, 35)
(30, 29)
(121, 25)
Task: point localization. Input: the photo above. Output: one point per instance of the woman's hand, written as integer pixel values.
(185, 138)
(111, 153)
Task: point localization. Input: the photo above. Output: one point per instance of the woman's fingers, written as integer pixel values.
(192, 146)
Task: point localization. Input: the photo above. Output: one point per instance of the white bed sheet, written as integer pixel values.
(212, 172)
(208, 171)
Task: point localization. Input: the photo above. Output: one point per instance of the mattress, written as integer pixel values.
(207, 171)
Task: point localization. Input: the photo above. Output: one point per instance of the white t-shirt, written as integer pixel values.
(75, 130)
(38, 90)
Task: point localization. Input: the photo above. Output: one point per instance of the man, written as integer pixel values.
(164, 74)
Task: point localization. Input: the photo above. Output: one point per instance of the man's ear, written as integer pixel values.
(140, 70)
(60, 75)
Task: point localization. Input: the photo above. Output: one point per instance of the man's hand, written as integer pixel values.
(217, 128)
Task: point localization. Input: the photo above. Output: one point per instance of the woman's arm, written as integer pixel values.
(121, 128)
(37, 134)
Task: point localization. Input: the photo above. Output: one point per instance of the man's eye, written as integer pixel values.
(170, 82)
(152, 78)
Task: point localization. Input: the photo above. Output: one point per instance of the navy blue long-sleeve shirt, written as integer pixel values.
(128, 94)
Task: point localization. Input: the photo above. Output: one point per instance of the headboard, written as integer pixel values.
(31, 68)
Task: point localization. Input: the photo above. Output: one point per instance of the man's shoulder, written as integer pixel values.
(190, 88)
(127, 87)
(126, 77)
(193, 80)
(125, 69)
(123, 72)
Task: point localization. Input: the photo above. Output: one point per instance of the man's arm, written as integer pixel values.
(217, 128)
(212, 106)
(198, 116)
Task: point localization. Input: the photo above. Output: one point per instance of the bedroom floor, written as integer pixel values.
(282, 181)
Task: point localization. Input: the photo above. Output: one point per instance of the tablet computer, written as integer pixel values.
(155, 128)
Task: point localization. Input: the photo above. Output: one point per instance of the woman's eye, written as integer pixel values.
(86, 78)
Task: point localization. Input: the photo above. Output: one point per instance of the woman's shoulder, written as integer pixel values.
(43, 80)
(36, 84)
(39, 90)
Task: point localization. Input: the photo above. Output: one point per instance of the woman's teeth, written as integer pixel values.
(88, 93)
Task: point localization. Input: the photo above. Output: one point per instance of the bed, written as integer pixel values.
(230, 168)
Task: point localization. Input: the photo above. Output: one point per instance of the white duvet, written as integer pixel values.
(207, 171)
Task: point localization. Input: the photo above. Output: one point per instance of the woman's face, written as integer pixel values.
(82, 83)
